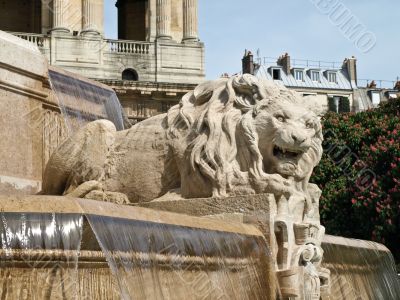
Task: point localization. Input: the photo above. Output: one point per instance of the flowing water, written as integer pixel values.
(148, 259)
(82, 102)
(39, 255)
(360, 270)
(160, 261)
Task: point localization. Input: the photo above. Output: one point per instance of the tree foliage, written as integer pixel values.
(359, 175)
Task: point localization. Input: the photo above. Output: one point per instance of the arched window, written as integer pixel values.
(130, 74)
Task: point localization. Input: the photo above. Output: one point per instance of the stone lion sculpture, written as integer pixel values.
(231, 136)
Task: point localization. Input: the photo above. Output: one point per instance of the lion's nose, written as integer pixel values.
(298, 139)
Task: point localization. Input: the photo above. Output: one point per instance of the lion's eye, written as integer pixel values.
(280, 118)
(309, 125)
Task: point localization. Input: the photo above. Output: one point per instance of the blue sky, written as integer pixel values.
(298, 27)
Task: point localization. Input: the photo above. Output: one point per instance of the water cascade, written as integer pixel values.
(360, 269)
(82, 101)
(152, 255)
(39, 255)
(160, 261)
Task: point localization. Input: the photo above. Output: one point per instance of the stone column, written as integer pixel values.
(190, 27)
(164, 19)
(59, 23)
(89, 17)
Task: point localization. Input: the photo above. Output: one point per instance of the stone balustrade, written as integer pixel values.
(114, 46)
(40, 40)
(102, 58)
(133, 47)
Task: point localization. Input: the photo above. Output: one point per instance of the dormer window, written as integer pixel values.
(276, 74)
(392, 95)
(315, 76)
(332, 77)
(299, 75)
(376, 98)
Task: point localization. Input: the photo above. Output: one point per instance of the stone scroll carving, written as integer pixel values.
(231, 136)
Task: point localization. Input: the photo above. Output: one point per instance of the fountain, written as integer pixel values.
(208, 201)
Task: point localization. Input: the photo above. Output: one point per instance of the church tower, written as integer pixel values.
(157, 58)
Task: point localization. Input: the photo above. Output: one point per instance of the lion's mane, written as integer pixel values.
(215, 125)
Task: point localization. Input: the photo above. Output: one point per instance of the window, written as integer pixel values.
(315, 76)
(165, 106)
(376, 98)
(276, 74)
(332, 77)
(298, 74)
(130, 75)
(141, 109)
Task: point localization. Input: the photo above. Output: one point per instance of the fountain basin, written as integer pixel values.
(358, 269)
(66, 248)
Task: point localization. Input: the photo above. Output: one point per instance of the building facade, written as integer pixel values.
(157, 58)
(334, 84)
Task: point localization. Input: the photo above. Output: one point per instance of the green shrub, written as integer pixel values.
(359, 175)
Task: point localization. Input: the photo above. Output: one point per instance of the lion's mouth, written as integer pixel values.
(286, 154)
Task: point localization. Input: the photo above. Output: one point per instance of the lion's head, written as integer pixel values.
(234, 131)
(289, 137)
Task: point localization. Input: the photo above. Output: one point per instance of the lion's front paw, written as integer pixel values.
(276, 184)
(113, 197)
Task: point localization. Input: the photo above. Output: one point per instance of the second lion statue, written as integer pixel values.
(231, 136)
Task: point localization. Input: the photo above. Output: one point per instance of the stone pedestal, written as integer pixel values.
(190, 21)
(295, 244)
(163, 19)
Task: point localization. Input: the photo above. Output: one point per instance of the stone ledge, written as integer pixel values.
(246, 204)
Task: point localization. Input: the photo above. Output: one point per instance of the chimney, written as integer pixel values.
(372, 85)
(350, 64)
(284, 62)
(248, 66)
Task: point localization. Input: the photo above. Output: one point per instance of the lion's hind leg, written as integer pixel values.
(82, 160)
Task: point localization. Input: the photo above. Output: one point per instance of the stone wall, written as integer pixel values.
(102, 59)
(21, 95)
(141, 100)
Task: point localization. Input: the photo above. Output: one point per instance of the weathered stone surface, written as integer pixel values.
(209, 145)
(245, 204)
(230, 137)
(22, 73)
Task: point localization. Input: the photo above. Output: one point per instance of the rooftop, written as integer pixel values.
(304, 73)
